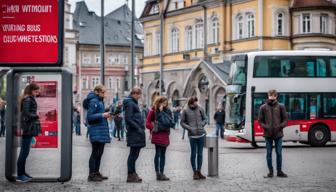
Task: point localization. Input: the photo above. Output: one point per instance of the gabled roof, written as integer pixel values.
(220, 70)
(117, 26)
(313, 4)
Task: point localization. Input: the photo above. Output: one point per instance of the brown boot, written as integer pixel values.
(133, 178)
(162, 177)
(200, 175)
(281, 174)
(94, 177)
(196, 175)
(269, 175)
(138, 178)
(101, 176)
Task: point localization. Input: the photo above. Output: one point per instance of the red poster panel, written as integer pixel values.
(31, 32)
(47, 110)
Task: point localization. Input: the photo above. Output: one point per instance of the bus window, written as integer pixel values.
(315, 106)
(333, 67)
(259, 100)
(329, 105)
(321, 67)
(285, 67)
(310, 69)
(261, 67)
(297, 109)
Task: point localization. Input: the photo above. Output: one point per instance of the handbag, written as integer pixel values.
(32, 128)
(164, 121)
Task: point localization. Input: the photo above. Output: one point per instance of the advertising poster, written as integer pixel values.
(47, 112)
(29, 31)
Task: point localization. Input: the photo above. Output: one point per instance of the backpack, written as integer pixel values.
(86, 103)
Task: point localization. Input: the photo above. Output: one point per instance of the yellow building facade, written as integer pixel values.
(192, 53)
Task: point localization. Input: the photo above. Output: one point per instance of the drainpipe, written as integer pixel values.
(206, 56)
(261, 24)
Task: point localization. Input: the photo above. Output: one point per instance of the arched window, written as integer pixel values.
(280, 24)
(215, 30)
(240, 24)
(174, 40)
(158, 42)
(250, 25)
(189, 38)
(199, 35)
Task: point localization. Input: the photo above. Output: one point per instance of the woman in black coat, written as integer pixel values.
(30, 126)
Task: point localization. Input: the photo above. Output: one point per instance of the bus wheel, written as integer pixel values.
(254, 144)
(318, 135)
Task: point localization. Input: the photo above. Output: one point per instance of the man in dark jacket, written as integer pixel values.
(98, 130)
(273, 118)
(219, 117)
(135, 126)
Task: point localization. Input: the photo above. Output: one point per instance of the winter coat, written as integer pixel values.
(28, 115)
(135, 124)
(118, 120)
(161, 137)
(194, 121)
(272, 118)
(97, 124)
(220, 117)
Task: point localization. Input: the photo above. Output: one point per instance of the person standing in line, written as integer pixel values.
(136, 137)
(2, 118)
(30, 126)
(98, 130)
(159, 121)
(273, 118)
(118, 120)
(177, 112)
(219, 117)
(193, 119)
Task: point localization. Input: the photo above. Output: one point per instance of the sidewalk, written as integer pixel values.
(241, 168)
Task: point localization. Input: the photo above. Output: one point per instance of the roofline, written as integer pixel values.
(292, 53)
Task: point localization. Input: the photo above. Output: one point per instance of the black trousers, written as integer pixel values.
(96, 155)
(132, 157)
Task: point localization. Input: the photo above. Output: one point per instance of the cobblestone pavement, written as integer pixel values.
(241, 168)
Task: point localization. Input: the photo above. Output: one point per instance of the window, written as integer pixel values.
(148, 45)
(329, 105)
(306, 23)
(189, 38)
(86, 60)
(110, 83)
(280, 24)
(95, 81)
(97, 59)
(123, 59)
(158, 43)
(155, 9)
(333, 67)
(324, 23)
(215, 30)
(85, 84)
(174, 40)
(294, 66)
(250, 25)
(240, 27)
(199, 35)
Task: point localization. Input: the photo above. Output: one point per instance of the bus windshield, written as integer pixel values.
(235, 107)
(238, 73)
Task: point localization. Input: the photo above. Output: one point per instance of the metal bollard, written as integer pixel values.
(211, 143)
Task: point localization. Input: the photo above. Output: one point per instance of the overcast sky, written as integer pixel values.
(110, 5)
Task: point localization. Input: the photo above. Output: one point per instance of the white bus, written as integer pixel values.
(306, 83)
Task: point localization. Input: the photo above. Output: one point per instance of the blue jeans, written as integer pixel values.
(220, 129)
(196, 145)
(160, 158)
(78, 128)
(278, 150)
(24, 152)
